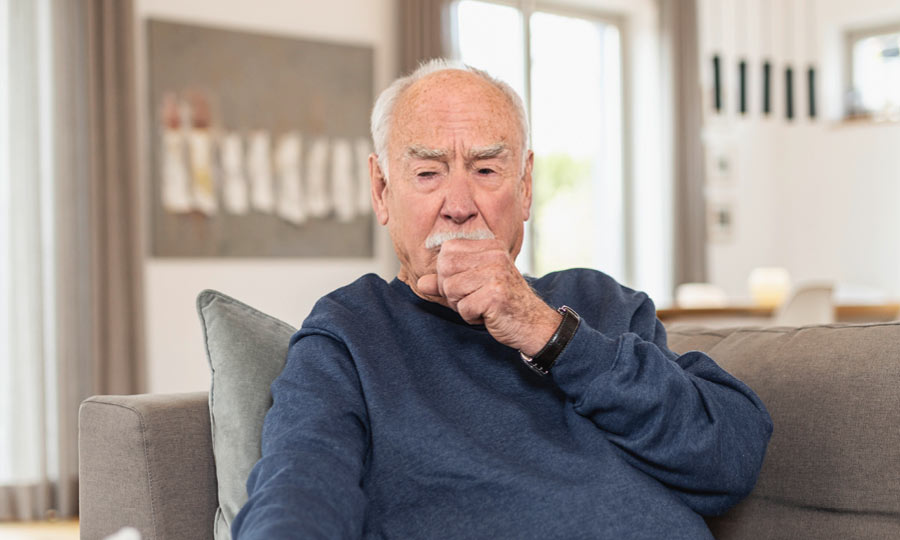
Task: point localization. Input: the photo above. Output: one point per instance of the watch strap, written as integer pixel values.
(543, 361)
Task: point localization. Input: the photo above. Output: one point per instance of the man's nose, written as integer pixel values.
(459, 200)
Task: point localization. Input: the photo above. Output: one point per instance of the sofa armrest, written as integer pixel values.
(146, 461)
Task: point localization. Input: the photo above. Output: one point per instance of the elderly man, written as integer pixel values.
(463, 400)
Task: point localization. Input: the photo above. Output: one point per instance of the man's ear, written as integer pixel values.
(379, 189)
(526, 186)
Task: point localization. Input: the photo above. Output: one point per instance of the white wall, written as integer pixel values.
(286, 289)
(819, 198)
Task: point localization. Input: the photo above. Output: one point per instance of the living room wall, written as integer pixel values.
(285, 288)
(817, 197)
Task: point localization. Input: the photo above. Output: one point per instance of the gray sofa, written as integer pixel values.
(832, 468)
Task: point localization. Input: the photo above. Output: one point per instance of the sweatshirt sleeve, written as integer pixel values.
(314, 446)
(681, 419)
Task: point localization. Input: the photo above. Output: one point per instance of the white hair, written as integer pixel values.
(435, 240)
(387, 100)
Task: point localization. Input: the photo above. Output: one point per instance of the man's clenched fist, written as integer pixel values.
(479, 280)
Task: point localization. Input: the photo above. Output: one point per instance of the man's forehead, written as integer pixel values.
(451, 83)
(453, 93)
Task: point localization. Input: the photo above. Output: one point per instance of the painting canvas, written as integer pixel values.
(258, 144)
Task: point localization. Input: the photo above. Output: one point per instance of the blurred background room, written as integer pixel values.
(739, 160)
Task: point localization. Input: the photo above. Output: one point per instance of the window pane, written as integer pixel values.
(490, 37)
(576, 128)
(576, 133)
(876, 74)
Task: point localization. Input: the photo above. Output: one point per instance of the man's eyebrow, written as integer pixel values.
(487, 152)
(475, 153)
(422, 152)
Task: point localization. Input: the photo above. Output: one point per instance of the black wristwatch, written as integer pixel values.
(546, 357)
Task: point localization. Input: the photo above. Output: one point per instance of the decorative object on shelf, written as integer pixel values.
(769, 285)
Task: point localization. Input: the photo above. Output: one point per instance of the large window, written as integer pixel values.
(573, 88)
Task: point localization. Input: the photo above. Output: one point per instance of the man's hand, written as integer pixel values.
(479, 280)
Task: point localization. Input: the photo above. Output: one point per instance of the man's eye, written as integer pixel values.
(427, 174)
(485, 170)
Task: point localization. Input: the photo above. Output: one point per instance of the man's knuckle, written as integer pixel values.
(450, 286)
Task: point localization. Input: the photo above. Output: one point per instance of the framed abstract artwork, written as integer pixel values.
(258, 144)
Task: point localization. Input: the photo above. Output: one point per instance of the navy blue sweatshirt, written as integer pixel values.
(394, 418)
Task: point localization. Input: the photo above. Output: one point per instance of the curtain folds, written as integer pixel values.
(681, 72)
(23, 464)
(425, 32)
(117, 255)
(72, 258)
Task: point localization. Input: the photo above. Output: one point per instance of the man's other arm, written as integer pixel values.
(683, 420)
(314, 445)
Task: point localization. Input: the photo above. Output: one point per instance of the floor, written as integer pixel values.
(58, 530)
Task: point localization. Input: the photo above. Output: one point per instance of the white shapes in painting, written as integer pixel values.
(197, 115)
(200, 162)
(364, 186)
(234, 182)
(202, 180)
(259, 169)
(343, 181)
(175, 195)
(319, 204)
(175, 181)
(287, 170)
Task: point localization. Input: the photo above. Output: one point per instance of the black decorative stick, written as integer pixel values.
(767, 85)
(717, 83)
(789, 93)
(811, 81)
(742, 81)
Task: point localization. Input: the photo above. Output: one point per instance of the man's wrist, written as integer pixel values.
(541, 331)
(546, 357)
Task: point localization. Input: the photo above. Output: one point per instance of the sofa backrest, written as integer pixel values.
(832, 469)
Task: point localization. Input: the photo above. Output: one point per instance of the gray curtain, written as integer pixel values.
(118, 366)
(424, 31)
(82, 272)
(680, 68)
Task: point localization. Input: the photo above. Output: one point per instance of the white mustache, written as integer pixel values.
(435, 240)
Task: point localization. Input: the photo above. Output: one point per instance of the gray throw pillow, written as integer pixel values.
(246, 350)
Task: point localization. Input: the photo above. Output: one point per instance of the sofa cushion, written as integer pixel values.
(246, 350)
(832, 469)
